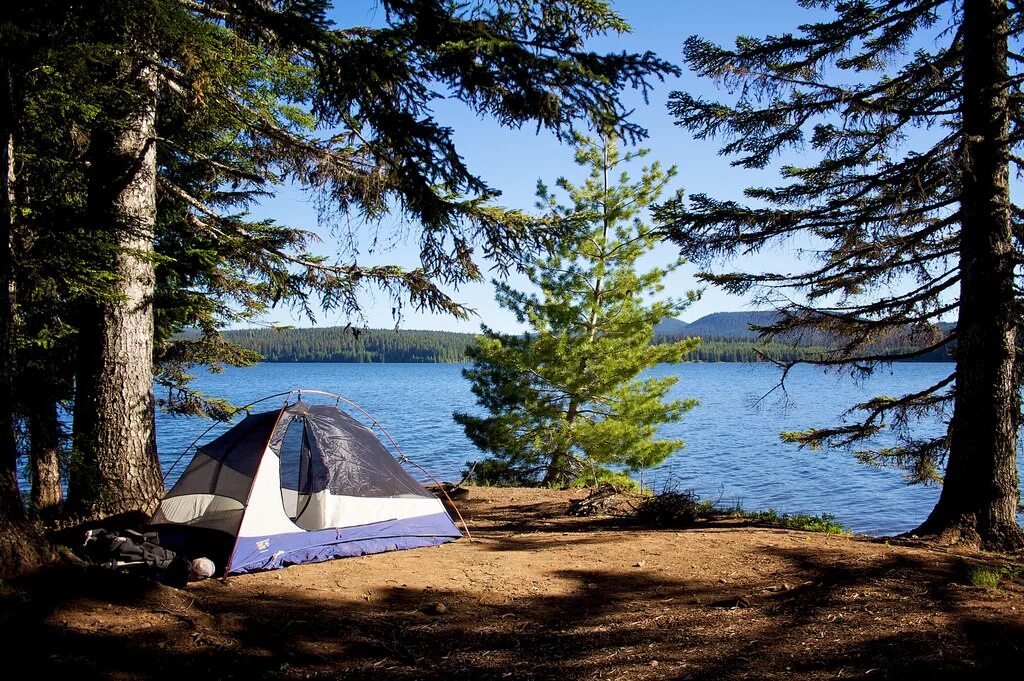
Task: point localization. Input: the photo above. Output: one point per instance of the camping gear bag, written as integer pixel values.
(138, 552)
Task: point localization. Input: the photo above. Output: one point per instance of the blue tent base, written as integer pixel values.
(255, 554)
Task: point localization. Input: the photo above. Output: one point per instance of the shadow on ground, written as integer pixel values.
(893, 614)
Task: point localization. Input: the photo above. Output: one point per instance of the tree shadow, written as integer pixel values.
(514, 526)
(889, 615)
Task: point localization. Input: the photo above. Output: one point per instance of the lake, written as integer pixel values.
(733, 453)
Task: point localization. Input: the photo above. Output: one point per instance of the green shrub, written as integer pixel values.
(985, 577)
(825, 522)
(604, 476)
(808, 523)
(495, 472)
(674, 508)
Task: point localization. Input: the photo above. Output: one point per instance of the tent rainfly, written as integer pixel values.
(300, 484)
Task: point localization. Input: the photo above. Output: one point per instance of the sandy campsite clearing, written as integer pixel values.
(542, 595)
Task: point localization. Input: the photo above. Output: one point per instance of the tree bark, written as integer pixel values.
(559, 469)
(11, 507)
(115, 469)
(46, 497)
(978, 504)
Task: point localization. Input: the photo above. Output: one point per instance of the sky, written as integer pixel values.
(514, 160)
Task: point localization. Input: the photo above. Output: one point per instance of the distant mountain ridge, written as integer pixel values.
(718, 325)
(670, 326)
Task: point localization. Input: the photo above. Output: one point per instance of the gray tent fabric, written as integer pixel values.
(355, 461)
(302, 469)
(225, 468)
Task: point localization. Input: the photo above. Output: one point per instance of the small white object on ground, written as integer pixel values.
(201, 569)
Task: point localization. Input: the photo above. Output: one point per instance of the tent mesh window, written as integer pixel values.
(296, 469)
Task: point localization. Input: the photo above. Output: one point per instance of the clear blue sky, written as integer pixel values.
(513, 161)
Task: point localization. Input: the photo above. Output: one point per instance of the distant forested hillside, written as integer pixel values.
(726, 337)
(341, 344)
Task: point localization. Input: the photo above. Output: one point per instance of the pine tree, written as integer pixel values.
(36, 194)
(912, 110)
(565, 400)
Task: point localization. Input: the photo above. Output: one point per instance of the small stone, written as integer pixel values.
(438, 608)
(640, 563)
(723, 580)
(654, 663)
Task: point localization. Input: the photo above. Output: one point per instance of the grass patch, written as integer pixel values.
(988, 577)
(825, 522)
(984, 577)
(672, 507)
(1012, 573)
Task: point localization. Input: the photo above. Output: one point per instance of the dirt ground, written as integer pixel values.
(541, 595)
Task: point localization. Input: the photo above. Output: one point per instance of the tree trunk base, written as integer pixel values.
(1005, 537)
(23, 550)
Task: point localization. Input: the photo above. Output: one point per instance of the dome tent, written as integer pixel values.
(300, 484)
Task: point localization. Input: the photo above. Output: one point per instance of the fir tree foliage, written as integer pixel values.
(348, 113)
(904, 116)
(565, 401)
(256, 96)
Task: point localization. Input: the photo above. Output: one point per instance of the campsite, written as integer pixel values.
(539, 594)
(732, 295)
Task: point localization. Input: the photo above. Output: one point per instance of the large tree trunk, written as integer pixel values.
(978, 504)
(115, 469)
(46, 495)
(559, 469)
(10, 497)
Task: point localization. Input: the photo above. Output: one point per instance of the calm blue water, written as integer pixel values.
(732, 453)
